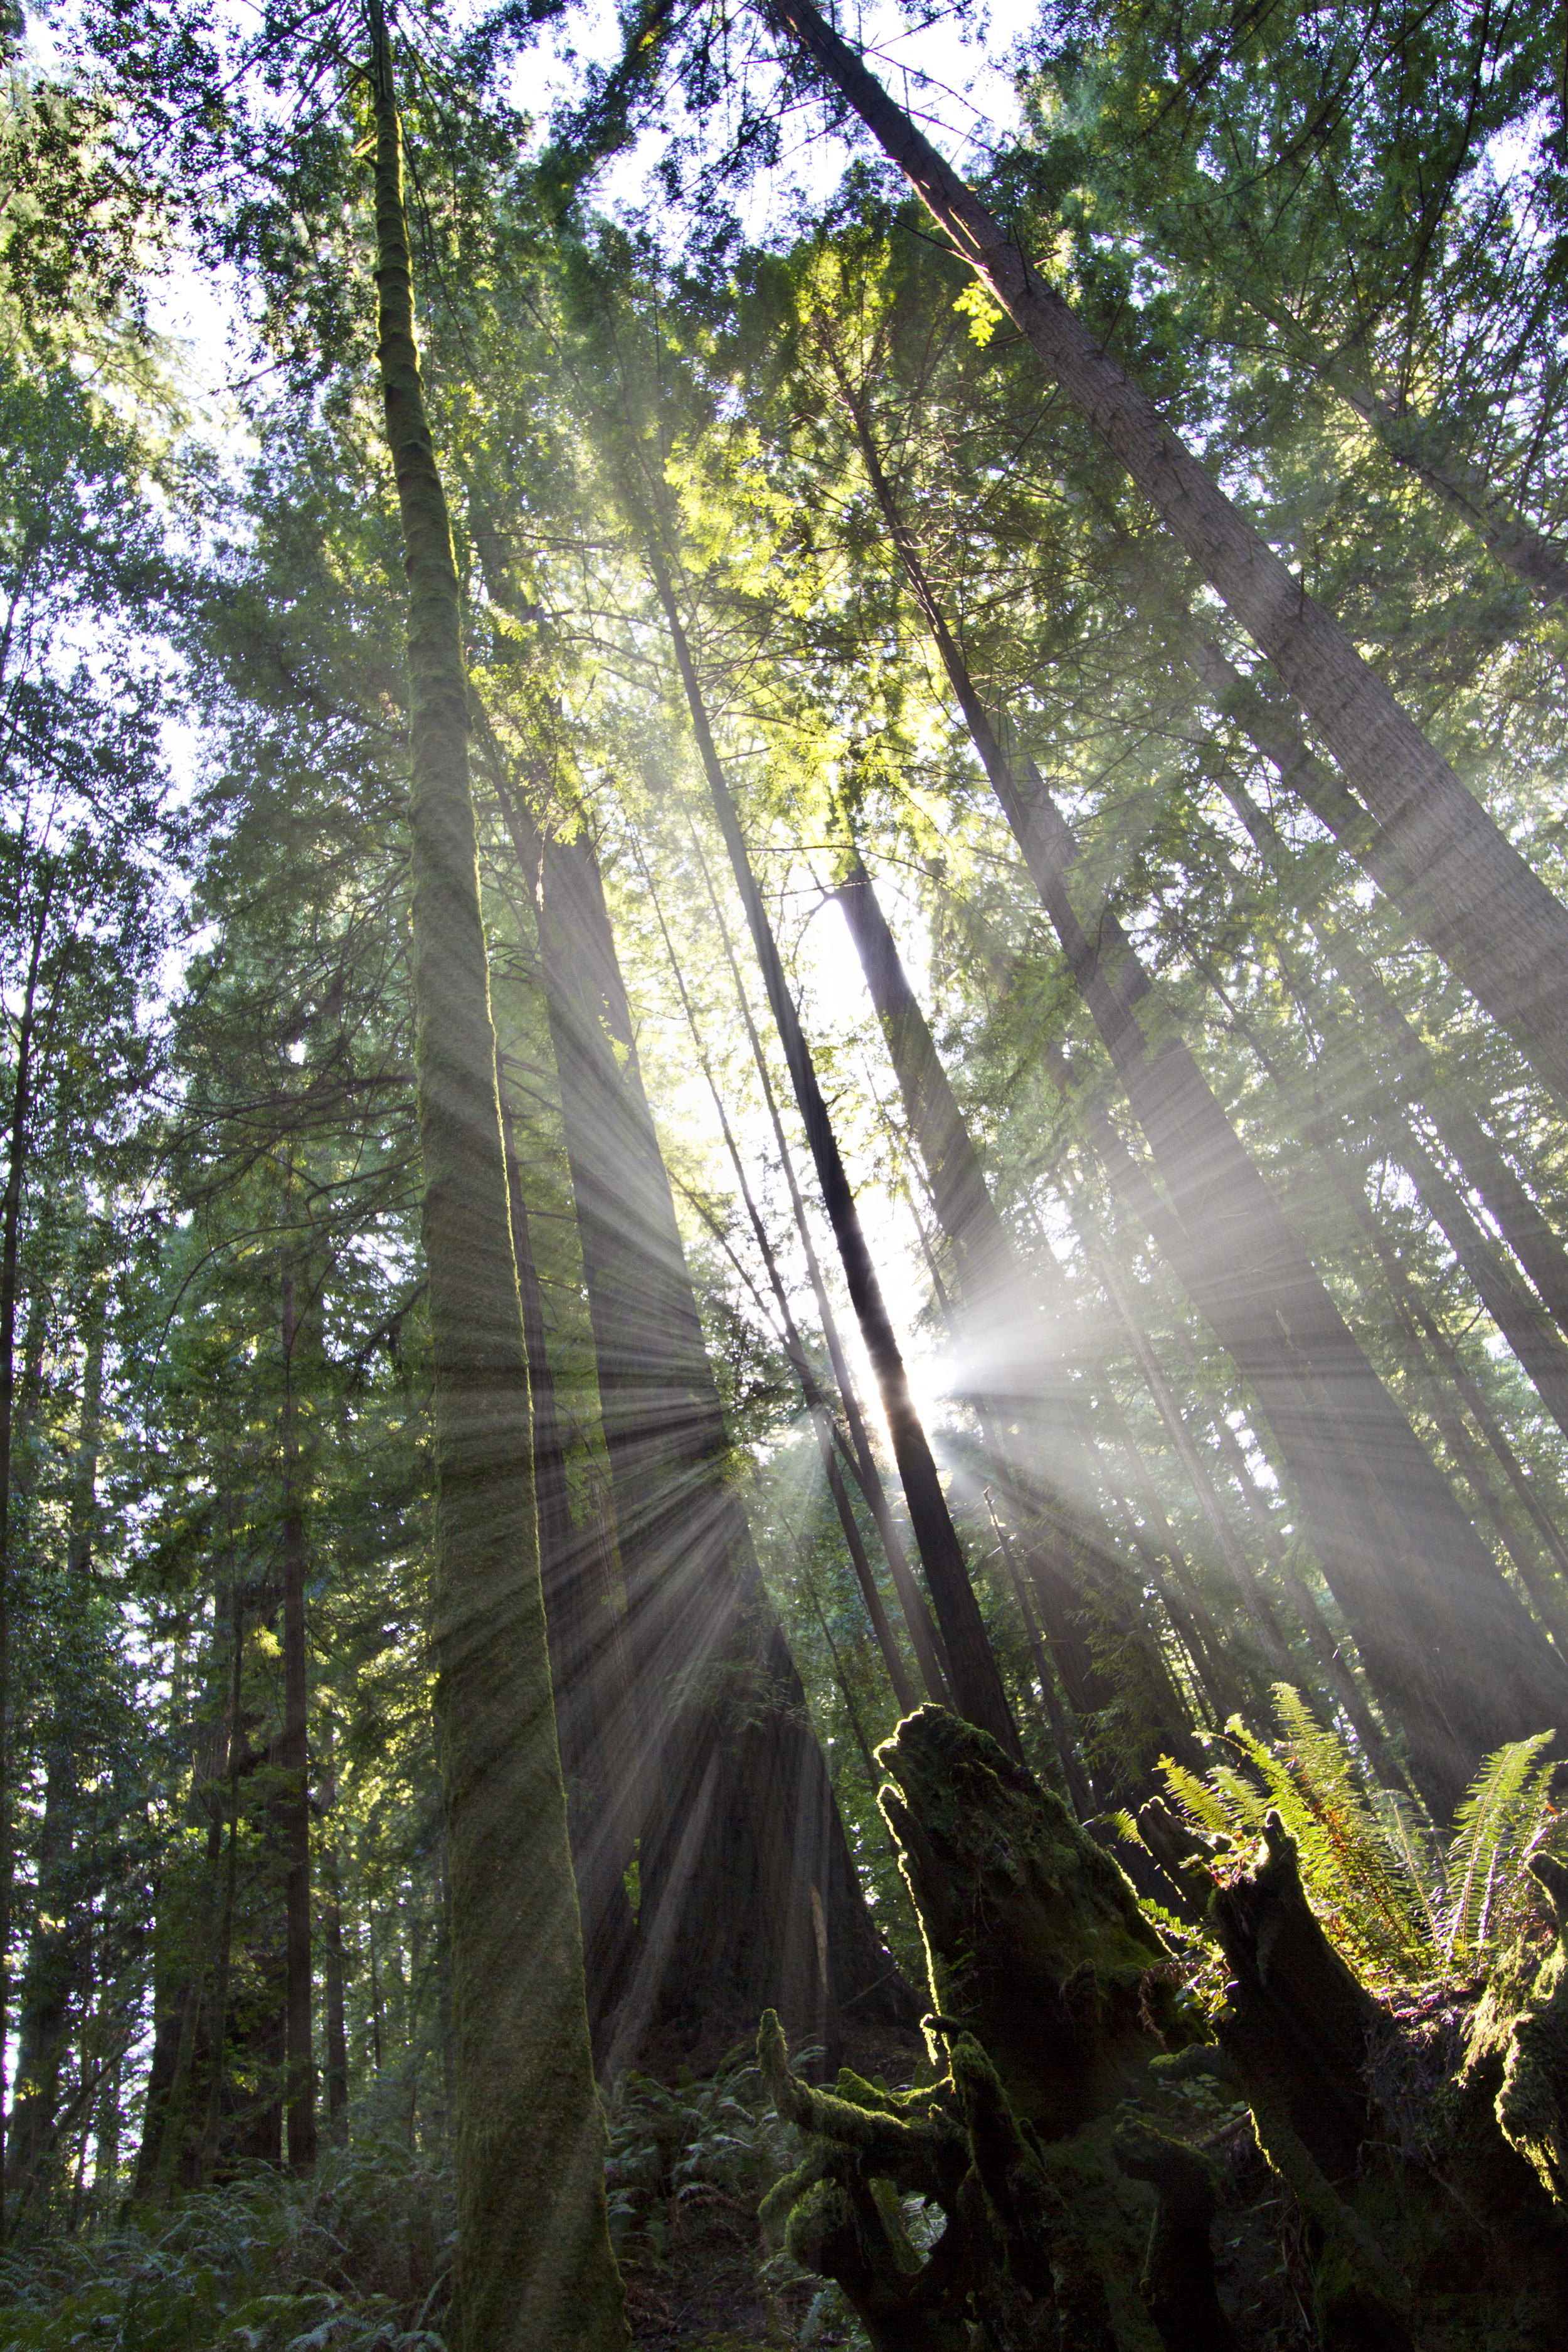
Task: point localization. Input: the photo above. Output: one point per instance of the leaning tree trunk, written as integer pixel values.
(534, 2263)
(976, 1683)
(923, 1637)
(1003, 1319)
(742, 1852)
(1419, 445)
(1423, 1597)
(1418, 1073)
(1482, 906)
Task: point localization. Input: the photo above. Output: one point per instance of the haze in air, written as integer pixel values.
(784, 1208)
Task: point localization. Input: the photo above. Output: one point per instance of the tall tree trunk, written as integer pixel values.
(1483, 908)
(534, 2263)
(293, 1751)
(332, 1971)
(587, 1667)
(1423, 1596)
(1003, 1325)
(924, 1638)
(976, 1684)
(10, 1270)
(738, 1826)
(59, 1954)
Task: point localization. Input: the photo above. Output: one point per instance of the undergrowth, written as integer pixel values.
(357, 2258)
(1409, 1909)
(354, 2259)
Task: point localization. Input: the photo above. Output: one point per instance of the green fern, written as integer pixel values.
(1406, 1908)
(1500, 1824)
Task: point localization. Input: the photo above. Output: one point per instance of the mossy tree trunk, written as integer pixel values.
(1416, 2161)
(534, 2264)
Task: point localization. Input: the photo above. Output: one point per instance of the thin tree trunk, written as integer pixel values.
(333, 1956)
(60, 1951)
(1067, 1757)
(1004, 1321)
(1524, 1324)
(1422, 1594)
(534, 2264)
(1548, 1595)
(816, 1405)
(1204, 1495)
(1318, 1632)
(976, 1684)
(1416, 444)
(293, 1756)
(1484, 908)
(10, 1266)
(924, 1638)
(1500, 1292)
(1519, 1219)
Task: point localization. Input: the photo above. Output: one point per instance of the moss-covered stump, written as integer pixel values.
(1424, 2224)
(1035, 1939)
(1051, 1992)
(1408, 2170)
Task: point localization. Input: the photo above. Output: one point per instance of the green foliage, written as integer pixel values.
(359, 2257)
(692, 2137)
(1405, 1905)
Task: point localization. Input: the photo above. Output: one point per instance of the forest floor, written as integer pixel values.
(356, 2259)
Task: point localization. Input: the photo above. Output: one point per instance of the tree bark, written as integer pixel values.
(924, 1639)
(1422, 1594)
(293, 1750)
(59, 1954)
(534, 2263)
(976, 1684)
(738, 1824)
(1485, 909)
(588, 1668)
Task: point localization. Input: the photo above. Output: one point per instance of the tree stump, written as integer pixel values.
(1424, 2156)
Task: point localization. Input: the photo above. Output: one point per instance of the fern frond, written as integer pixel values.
(1196, 1798)
(1484, 1842)
(1502, 1811)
